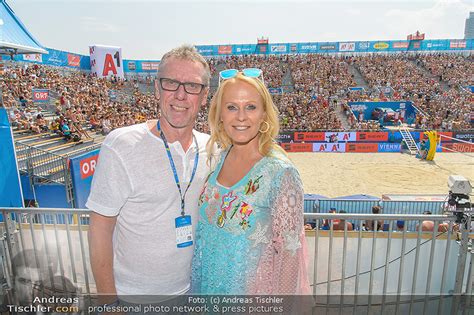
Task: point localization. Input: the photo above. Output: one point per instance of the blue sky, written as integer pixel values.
(147, 29)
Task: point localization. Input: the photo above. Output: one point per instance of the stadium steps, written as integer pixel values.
(287, 80)
(358, 78)
(342, 117)
(444, 85)
(411, 144)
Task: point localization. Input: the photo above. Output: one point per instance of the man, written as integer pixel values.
(375, 225)
(339, 226)
(139, 210)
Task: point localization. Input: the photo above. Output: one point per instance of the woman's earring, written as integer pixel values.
(266, 130)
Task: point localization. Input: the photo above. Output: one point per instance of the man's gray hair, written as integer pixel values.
(186, 52)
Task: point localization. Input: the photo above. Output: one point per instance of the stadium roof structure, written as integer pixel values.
(14, 36)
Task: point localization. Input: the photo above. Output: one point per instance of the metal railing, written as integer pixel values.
(405, 272)
(42, 164)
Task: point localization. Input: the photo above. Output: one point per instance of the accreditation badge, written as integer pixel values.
(184, 231)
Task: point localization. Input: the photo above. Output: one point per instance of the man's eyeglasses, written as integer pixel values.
(232, 73)
(173, 85)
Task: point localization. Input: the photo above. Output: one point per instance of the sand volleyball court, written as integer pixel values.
(342, 174)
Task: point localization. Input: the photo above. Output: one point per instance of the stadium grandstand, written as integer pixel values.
(370, 96)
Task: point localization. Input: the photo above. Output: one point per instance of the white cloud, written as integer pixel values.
(444, 19)
(96, 25)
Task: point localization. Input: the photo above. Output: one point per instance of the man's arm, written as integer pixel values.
(101, 230)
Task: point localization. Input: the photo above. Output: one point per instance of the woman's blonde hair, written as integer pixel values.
(266, 140)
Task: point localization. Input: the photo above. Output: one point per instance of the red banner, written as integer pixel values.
(459, 147)
(310, 136)
(372, 136)
(73, 60)
(88, 166)
(400, 45)
(362, 147)
(40, 95)
(224, 50)
(297, 147)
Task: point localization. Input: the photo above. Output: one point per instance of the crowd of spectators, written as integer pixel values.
(419, 79)
(82, 100)
(312, 92)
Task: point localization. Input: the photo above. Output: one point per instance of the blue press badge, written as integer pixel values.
(184, 231)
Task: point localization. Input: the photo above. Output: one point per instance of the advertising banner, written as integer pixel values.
(278, 49)
(310, 136)
(457, 44)
(244, 49)
(285, 137)
(150, 66)
(329, 147)
(297, 147)
(459, 147)
(40, 95)
(132, 66)
(106, 61)
(10, 185)
(33, 57)
(82, 171)
(362, 147)
(375, 136)
(305, 48)
(363, 46)
(206, 50)
(73, 60)
(398, 45)
(346, 47)
(381, 45)
(389, 147)
(340, 136)
(56, 58)
(327, 46)
(435, 45)
(462, 135)
(224, 50)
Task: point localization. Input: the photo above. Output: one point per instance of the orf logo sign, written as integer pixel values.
(88, 166)
(40, 95)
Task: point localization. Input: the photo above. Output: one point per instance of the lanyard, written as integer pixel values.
(173, 167)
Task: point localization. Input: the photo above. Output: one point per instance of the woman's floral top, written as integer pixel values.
(250, 237)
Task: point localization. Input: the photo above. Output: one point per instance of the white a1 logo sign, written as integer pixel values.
(106, 61)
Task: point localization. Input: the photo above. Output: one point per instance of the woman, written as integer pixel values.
(250, 236)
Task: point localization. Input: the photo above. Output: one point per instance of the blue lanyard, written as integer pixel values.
(173, 166)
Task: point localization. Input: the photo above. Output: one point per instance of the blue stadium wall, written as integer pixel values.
(82, 62)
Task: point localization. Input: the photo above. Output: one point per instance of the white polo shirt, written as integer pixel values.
(134, 180)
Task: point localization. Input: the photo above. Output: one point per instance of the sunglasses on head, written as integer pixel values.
(232, 73)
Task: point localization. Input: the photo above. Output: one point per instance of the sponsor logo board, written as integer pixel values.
(329, 147)
(309, 136)
(278, 48)
(297, 147)
(362, 147)
(346, 46)
(457, 44)
(88, 166)
(224, 50)
(381, 45)
(372, 136)
(327, 47)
